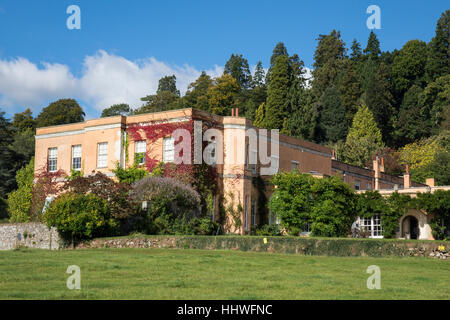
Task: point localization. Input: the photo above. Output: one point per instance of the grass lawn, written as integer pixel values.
(207, 274)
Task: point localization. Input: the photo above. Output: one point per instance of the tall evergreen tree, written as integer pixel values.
(372, 49)
(328, 58)
(363, 139)
(438, 60)
(356, 53)
(332, 124)
(277, 93)
(350, 90)
(379, 100)
(237, 67)
(410, 124)
(168, 83)
(197, 93)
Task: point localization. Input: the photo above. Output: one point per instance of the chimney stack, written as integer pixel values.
(429, 182)
(407, 179)
(376, 169)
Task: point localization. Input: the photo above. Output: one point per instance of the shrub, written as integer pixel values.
(327, 205)
(19, 201)
(79, 216)
(204, 226)
(171, 205)
(116, 194)
(267, 230)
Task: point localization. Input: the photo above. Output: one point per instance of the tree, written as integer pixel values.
(410, 125)
(19, 201)
(197, 93)
(356, 53)
(349, 90)
(9, 160)
(168, 83)
(121, 109)
(379, 101)
(372, 49)
(24, 120)
(258, 93)
(328, 58)
(438, 59)
(277, 93)
(409, 67)
(162, 101)
(332, 124)
(434, 101)
(237, 67)
(302, 121)
(221, 96)
(62, 111)
(259, 116)
(363, 139)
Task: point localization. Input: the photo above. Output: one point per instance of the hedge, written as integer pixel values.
(293, 245)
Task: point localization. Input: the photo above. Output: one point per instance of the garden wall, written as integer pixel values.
(302, 246)
(32, 235)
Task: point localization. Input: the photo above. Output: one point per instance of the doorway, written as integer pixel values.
(411, 228)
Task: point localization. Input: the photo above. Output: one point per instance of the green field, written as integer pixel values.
(203, 274)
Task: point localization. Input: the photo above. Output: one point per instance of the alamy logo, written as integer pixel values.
(374, 281)
(373, 21)
(74, 20)
(74, 281)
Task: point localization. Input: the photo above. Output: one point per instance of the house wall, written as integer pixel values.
(235, 177)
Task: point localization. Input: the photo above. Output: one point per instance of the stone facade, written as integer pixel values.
(31, 235)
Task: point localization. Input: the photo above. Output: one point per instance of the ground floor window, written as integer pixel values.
(372, 225)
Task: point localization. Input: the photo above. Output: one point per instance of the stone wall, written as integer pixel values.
(294, 245)
(32, 235)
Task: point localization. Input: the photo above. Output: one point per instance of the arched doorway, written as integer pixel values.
(410, 227)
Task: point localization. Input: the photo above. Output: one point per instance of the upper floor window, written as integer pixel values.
(357, 185)
(76, 157)
(52, 159)
(141, 149)
(168, 149)
(102, 155)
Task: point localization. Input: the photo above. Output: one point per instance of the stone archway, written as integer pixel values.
(414, 225)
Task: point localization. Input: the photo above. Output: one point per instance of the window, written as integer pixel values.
(213, 153)
(372, 225)
(357, 185)
(76, 157)
(246, 213)
(253, 221)
(52, 159)
(168, 149)
(102, 155)
(369, 186)
(294, 165)
(140, 150)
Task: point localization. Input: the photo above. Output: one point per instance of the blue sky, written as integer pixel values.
(124, 47)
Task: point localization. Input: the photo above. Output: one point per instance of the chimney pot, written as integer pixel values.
(237, 112)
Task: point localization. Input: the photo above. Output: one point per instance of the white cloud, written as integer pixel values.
(105, 79)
